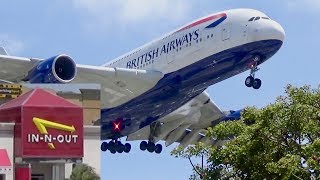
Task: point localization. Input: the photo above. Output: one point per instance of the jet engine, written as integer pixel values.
(57, 69)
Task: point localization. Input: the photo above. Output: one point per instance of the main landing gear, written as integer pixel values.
(151, 147)
(115, 146)
(251, 81)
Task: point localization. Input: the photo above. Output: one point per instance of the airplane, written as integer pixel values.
(157, 92)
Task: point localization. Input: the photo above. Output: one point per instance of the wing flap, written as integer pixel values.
(187, 125)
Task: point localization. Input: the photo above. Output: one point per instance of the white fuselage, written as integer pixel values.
(176, 50)
(191, 58)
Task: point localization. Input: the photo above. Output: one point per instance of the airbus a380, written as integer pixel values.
(157, 91)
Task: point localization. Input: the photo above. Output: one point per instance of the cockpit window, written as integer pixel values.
(258, 18)
(251, 19)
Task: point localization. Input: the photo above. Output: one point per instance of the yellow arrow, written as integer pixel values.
(43, 124)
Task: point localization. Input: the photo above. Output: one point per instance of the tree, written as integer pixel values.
(279, 141)
(84, 172)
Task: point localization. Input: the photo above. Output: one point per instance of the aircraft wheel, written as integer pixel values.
(143, 145)
(256, 84)
(104, 146)
(113, 151)
(249, 81)
(111, 146)
(127, 148)
(120, 147)
(158, 148)
(151, 147)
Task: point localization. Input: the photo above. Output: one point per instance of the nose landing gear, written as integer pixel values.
(251, 81)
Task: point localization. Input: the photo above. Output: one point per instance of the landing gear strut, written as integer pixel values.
(251, 81)
(115, 146)
(150, 145)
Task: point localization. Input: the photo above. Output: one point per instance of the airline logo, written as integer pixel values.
(44, 136)
(220, 18)
(176, 43)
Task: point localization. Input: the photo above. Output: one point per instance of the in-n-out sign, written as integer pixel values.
(44, 136)
(48, 138)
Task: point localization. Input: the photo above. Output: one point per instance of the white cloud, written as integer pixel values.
(303, 5)
(124, 12)
(12, 45)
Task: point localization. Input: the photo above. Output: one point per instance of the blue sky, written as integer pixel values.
(95, 31)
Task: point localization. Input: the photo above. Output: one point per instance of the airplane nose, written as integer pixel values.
(269, 30)
(278, 31)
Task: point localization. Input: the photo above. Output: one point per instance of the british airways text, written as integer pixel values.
(174, 44)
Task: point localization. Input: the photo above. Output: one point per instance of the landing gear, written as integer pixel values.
(115, 146)
(127, 147)
(104, 146)
(256, 83)
(151, 147)
(158, 148)
(143, 145)
(251, 81)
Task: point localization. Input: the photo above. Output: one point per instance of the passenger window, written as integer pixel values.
(251, 19)
(257, 18)
(265, 18)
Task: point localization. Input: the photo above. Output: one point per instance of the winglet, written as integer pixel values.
(3, 51)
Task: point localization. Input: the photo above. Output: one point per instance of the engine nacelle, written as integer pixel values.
(57, 69)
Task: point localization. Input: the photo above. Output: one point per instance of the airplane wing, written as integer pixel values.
(118, 84)
(187, 125)
(14, 69)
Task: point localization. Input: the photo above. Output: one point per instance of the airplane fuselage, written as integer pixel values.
(193, 57)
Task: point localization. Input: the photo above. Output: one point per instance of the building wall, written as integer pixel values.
(6, 142)
(45, 169)
(91, 150)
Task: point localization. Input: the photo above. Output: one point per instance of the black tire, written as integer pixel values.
(249, 81)
(113, 151)
(104, 146)
(143, 145)
(151, 146)
(120, 148)
(158, 148)
(111, 146)
(127, 148)
(256, 84)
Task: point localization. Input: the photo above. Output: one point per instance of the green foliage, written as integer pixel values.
(279, 141)
(84, 172)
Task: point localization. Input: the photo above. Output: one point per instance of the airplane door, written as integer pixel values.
(226, 32)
